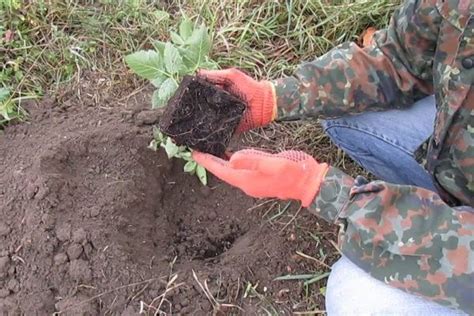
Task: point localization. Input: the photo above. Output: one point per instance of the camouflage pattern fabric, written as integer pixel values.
(408, 237)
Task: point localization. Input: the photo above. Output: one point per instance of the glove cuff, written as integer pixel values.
(312, 184)
(265, 101)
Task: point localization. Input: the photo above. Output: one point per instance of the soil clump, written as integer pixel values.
(202, 116)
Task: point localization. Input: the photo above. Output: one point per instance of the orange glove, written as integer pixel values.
(287, 175)
(367, 36)
(259, 95)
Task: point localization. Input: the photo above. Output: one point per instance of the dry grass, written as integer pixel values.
(269, 38)
(60, 47)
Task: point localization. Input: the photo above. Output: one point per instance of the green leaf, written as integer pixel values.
(170, 148)
(158, 135)
(158, 81)
(199, 45)
(185, 155)
(289, 277)
(147, 64)
(190, 167)
(309, 278)
(156, 101)
(189, 58)
(322, 290)
(176, 38)
(209, 64)
(4, 113)
(159, 46)
(173, 60)
(161, 15)
(316, 278)
(4, 94)
(153, 145)
(7, 110)
(186, 29)
(193, 60)
(167, 89)
(202, 174)
(199, 35)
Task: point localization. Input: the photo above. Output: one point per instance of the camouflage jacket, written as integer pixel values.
(419, 241)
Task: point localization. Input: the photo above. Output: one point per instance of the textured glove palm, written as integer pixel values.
(287, 175)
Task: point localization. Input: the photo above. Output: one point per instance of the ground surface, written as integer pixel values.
(94, 222)
(91, 221)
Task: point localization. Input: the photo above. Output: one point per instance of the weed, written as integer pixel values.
(307, 278)
(10, 107)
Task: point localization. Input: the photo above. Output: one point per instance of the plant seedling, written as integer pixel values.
(200, 115)
(181, 152)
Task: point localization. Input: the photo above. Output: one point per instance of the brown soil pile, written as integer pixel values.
(92, 222)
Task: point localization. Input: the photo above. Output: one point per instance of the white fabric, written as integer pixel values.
(351, 291)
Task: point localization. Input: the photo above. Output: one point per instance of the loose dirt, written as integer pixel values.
(202, 116)
(92, 222)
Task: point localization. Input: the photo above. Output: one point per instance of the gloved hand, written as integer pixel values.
(259, 95)
(287, 175)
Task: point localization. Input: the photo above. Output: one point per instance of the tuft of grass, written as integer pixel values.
(270, 38)
(52, 41)
(48, 45)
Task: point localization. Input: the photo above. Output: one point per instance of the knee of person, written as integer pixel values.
(349, 139)
(349, 290)
(339, 287)
(337, 275)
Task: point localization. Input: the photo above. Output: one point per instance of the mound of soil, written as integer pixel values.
(94, 223)
(202, 116)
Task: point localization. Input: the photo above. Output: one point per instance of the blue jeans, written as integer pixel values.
(383, 143)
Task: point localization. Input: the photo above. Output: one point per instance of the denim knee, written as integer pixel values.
(387, 156)
(353, 142)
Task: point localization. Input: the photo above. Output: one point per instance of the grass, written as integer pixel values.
(55, 41)
(270, 38)
(66, 47)
(49, 45)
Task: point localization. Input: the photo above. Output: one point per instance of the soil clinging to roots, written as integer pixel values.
(202, 116)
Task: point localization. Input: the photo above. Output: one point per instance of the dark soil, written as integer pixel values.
(94, 223)
(202, 116)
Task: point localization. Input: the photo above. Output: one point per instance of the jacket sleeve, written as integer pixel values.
(393, 73)
(404, 236)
